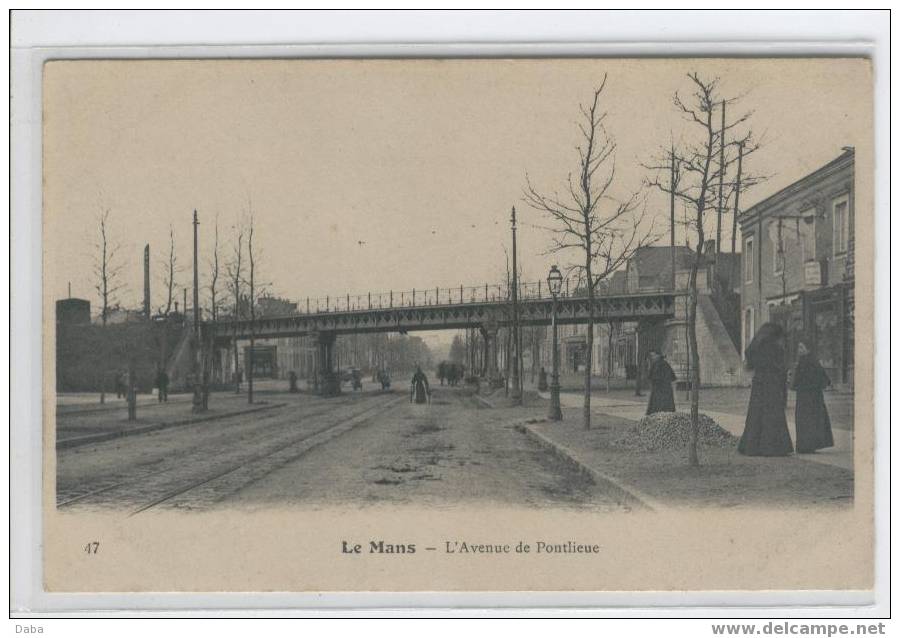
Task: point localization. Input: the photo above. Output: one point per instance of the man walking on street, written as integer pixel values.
(162, 383)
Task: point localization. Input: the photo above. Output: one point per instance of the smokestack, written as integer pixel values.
(147, 281)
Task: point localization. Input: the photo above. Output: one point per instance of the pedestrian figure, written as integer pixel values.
(130, 394)
(542, 380)
(292, 381)
(418, 388)
(811, 415)
(661, 377)
(162, 384)
(765, 430)
(385, 379)
(121, 388)
(460, 373)
(238, 379)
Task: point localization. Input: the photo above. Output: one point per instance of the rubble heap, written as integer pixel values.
(671, 430)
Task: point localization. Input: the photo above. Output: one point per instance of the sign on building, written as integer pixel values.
(812, 271)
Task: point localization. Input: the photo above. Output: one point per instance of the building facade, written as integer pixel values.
(798, 265)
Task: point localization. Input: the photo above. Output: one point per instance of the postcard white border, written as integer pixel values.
(37, 37)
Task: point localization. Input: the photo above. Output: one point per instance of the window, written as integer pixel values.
(748, 326)
(841, 221)
(776, 236)
(748, 259)
(808, 236)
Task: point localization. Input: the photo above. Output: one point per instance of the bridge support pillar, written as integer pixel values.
(326, 381)
(489, 333)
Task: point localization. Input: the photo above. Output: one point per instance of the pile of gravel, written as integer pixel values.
(672, 430)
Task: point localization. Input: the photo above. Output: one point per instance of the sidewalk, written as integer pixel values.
(82, 427)
(89, 402)
(662, 479)
(841, 455)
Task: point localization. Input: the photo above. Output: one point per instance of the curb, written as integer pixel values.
(97, 409)
(622, 492)
(87, 439)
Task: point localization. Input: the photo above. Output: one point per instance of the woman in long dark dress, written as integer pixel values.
(419, 386)
(661, 377)
(765, 431)
(811, 415)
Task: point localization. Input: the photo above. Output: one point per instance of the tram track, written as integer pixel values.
(208, 480)
(70, 496)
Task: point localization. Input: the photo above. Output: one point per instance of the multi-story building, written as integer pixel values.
(798, 265)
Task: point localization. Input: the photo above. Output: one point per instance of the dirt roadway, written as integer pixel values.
(360, 449)
(448, 453)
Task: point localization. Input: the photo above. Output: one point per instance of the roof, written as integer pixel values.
(844, 159)
(654, 264)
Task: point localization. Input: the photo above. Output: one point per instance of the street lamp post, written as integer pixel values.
(554, 283)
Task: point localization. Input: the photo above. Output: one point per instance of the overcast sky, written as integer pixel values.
(378, 175)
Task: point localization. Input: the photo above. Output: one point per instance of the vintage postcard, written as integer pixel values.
(458, 324)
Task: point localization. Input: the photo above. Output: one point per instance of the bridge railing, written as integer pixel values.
(419, 297)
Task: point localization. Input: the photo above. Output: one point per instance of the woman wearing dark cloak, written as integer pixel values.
(419, 387)
(661, 377)
(811, 415)
(765, 431)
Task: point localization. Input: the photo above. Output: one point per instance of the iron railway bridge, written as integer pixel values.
(486, 308)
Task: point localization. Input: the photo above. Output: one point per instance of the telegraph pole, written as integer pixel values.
(721, 192)
(147, 281)
(734, 217)
(516, 389)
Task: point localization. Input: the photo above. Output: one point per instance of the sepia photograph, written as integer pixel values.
(588, 320)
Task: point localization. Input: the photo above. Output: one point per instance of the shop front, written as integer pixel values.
(820, 318)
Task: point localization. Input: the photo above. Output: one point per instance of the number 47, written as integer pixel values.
(92, 548)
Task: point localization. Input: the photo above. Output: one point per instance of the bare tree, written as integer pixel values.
(697, 175)
(246, 305)
(108, 272)
(207, 347)
(214, 274)
(107, 267)
(170, 283)
(589, 220)
(169, 277)
(235, 280)
(252, 304)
